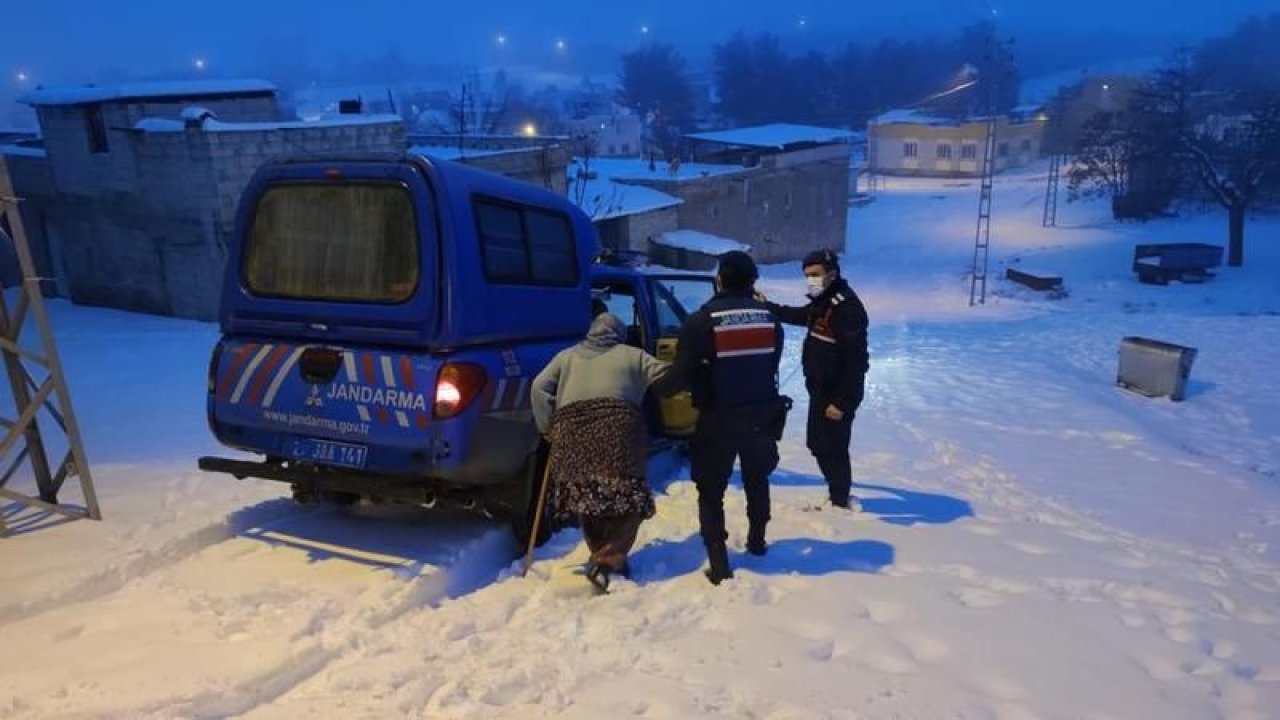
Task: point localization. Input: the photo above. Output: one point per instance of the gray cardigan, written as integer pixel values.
(600, 366)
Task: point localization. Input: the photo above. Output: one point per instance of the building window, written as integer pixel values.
(611, 150)
(968, 151)
(910, 150)
(1004, 150)
(787, 200)
(944, 152)
(1026, 145)
(526, 246)
(96, 128)
(626, 148)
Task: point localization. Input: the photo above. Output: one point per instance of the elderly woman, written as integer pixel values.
(588, 404)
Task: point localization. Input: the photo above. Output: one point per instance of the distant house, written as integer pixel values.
(1075, 105)
(137, 185)
(905, 142)
(617, 134)
(628, 217)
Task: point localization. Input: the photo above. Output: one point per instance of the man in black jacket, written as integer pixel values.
(835, 365)
(728, 354)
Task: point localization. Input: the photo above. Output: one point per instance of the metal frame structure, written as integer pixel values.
(1050, 216)
(982, 237)
(22, 439)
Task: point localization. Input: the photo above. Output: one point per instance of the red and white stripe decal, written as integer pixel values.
(510, 394)
(249, 372)
(259, 371)
(281, 375)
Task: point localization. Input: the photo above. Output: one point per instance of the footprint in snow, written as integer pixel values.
(883, 612)
(1030, 548)
(980, 528)
(1159, 667)
(925, 648)
(977, 598)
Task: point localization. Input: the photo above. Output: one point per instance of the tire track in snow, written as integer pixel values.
(265, 515)
(476, 564)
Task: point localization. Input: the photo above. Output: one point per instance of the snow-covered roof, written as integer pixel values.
(603, 199)
(20, 151)
(633, 169)
(79, 94)
(698, 241)
(775, 135)
(161, 124)
(910, 117)
(452, 152)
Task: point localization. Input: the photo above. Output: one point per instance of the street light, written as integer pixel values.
(560, 46)
(199, 63)
(501, 39)
(644, 29)
(22, 77)
(529, 130)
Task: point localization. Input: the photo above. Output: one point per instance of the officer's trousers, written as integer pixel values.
(723, 436)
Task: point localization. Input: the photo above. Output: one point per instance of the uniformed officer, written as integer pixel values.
(835, 365)
(728, 354)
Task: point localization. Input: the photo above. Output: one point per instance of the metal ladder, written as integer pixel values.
(982, 238)
(1050, 217)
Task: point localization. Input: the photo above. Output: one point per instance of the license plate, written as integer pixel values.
(329, 453)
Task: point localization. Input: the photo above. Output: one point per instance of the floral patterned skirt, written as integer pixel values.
(598, 453)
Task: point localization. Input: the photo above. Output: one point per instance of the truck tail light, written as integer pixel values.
(214, 361)
(457, 386)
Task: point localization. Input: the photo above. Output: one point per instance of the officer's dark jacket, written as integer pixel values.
(835, 348)
(728, 354)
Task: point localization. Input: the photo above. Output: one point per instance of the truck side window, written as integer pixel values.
(525, 245)
(502, 241)
(551, 250)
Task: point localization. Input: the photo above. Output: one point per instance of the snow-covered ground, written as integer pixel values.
(1036, 543)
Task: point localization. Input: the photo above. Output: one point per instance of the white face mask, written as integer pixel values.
(817, 286)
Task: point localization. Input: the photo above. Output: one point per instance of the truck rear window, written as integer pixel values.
(354, 242)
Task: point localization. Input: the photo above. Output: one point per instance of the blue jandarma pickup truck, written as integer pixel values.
(383, 317)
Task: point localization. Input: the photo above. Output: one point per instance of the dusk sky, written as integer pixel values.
(73, 41)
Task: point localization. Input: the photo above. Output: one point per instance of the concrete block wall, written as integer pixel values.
(542, 166)
(236, 155)
(783, 208)
(639, 229)
(33, 184)
(150, 233)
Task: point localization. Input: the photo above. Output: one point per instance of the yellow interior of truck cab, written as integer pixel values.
(678, 414)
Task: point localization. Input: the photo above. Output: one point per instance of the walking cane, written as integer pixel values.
(537, 517)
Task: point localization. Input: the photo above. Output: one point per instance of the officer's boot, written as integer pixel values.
(719, 570)
(756, 544)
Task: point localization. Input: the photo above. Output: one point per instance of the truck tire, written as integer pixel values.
(524, 501)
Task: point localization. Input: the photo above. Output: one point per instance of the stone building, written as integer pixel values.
(141, 183)
(781, 190)
(538, 160)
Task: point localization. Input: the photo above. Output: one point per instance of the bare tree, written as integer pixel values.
(1227, 139)
(1233, 155)
(1103, 158)
(598, 200)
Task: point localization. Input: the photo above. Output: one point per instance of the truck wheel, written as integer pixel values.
(524, 501)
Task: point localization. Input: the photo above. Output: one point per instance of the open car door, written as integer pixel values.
(674, 298)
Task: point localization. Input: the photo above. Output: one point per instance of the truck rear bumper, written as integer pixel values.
(311, 480)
